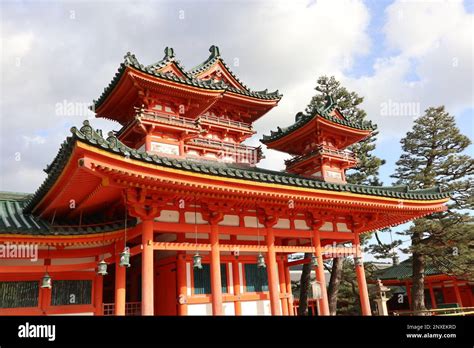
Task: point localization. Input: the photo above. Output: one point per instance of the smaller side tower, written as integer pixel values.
(318, 143)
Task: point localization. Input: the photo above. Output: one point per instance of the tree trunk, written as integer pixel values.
(305, 282)
(418, 270)
(334, 282)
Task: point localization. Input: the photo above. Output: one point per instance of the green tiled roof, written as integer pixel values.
(131, 61)
(13, 220)
(169, 58)
(301, 119)
(403, 271)
(93, 137)
(213, 58)
(216, 56)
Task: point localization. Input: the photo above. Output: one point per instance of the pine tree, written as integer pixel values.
(383, 250)
(366, 171)
(433, 156)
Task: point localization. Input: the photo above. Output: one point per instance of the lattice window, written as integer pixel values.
(256, 278)
(19, 294)
(71, 292)
(202, 279)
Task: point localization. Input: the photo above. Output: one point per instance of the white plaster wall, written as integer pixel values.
(282, 223)
(301, 225)
(260, 307)
(228, 308)
(168, 216)
(230, 220)
(342, 227)
(189, 218)
(327, 227)
(200, 309)
(251, 221)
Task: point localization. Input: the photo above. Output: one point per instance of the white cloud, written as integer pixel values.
(434, 43)
(15, 45)
(33, 140)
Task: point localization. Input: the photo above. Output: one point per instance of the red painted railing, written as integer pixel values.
(348, 156)
(168, 119)
(226, 122)
(191, 123)
(225, 146)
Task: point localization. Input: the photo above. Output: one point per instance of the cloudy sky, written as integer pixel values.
(397, 54)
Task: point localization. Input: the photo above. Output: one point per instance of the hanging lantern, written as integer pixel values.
(125, 257)
(261, 261)
(46, 281)
(197, 261)
(102, 268)
(314, 261)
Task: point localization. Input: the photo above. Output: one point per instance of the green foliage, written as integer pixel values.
(382, 250)
(433, 155)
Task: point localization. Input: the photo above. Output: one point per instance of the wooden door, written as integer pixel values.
(166, 290)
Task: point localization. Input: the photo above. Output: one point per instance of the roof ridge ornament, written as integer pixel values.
(169, 53)
(299, 115)
(330, 104)
(214, 51)
(130, 59)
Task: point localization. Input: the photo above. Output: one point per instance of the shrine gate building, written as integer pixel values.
(171, 215)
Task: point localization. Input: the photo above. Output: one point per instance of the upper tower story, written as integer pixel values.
(202, 113)
(318, 142)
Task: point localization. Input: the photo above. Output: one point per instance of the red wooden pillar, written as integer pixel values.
(216, 285)
(320, 277)
(457, 293)
(236, 284)
(272, 272)
(291, 310)
(98, 289)
(181, 148)
(443, 291)
(182, 287)
(147, 267)
(361, 281)
(281, 277)
(432, 296)
(148, 143)
(120, 282)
